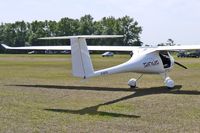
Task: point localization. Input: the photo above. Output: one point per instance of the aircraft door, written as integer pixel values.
(165, 57)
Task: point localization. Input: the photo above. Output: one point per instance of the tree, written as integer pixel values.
(86, 25)
(23, 33)
(20, 29)
(107, 26)
(131, 31)
(9, 35)
(170, 42)
(65, 27)
(37, 30)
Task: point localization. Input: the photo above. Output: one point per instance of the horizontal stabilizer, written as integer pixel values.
(81, 36)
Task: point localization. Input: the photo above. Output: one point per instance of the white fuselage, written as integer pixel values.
(142, 61)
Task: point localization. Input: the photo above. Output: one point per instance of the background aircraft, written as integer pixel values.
(145, 60)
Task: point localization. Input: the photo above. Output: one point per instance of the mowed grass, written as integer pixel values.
(39, 94)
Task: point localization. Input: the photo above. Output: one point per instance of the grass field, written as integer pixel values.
(39, 94)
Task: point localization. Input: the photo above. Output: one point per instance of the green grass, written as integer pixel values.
(39, 94)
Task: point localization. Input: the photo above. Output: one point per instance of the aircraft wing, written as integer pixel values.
(175, 48)
(91, 48)
(108, 48)
(38, 47)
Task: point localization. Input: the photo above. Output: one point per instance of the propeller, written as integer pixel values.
(180, 65)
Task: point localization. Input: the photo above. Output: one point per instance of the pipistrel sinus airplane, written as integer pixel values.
(145, 60)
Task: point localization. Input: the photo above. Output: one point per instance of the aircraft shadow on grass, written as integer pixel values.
(93, 110)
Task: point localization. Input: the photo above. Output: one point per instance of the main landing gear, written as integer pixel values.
(167, 80)
(133, 82)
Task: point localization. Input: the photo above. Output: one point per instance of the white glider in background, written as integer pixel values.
(145, 60)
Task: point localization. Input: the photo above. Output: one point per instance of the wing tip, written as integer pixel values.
(5, 46)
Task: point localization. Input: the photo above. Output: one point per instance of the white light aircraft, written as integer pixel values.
(145, 60)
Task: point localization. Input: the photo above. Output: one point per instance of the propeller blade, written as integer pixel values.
(180, 65)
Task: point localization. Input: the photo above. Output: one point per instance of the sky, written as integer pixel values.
(160, 19)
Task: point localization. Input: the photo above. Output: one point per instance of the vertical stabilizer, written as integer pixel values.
(81, 61)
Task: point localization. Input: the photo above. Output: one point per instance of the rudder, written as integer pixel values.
(81, 61)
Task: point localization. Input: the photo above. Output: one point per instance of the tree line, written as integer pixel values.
(23, 33)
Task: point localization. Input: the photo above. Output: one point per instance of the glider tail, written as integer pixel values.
(81, 61)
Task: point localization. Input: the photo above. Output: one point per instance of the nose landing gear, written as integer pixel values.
(168, 81)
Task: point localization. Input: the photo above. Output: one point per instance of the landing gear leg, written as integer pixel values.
(133, 82)
(168, 81)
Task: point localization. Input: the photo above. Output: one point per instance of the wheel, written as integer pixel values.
(132, 83)
(169, 83)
